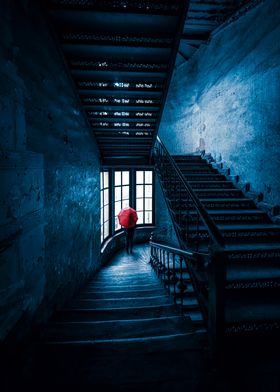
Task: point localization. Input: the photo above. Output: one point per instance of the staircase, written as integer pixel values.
(245, 272)
(122, 332)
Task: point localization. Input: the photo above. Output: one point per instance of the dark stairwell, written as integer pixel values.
(85, 88)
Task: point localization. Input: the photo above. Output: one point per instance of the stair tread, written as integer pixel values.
(237, 211)
(72, 314)
(250, 275)
(120, 294)
(237, 312)
(151, 344)
(245, 226)
(117, 329)
(121, 303)
(253, 246)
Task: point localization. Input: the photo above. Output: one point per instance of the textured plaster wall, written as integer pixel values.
(226, 100)
(49, 167)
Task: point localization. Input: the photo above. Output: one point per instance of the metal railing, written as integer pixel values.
(172, 267)
(190, 218)
(200, 238)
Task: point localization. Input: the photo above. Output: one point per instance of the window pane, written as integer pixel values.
(102, 233)
(118, 206)
(106, 196)
(125, 192)
(148, 190)
(106, 213)
(148, 217)
(106, 179)
(148, 204)
(139, 205)
(106, 229)
(117, 178)
(140, 218)
(101, 180)
(148, 177)
(125, 177)
(101, 216)
(101, 199)
(125, 203)
(139, 190)
(139, 177)
(118, 193)
(117, 225)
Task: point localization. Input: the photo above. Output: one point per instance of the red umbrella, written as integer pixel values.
(127, 217)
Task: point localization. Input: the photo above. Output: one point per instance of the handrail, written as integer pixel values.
(209, 223)
(163, 260)
(177, 251)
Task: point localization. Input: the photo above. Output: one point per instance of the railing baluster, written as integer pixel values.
(181, 285)
(168, 271)
(174, 277)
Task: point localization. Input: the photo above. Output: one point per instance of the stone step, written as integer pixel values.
(254, 254)
(208, 194)
(197, 165)
(116, 329)
(229, 203)
(204, 177)
(188, 158)
(119, 365)
(198, 170)
(121, 287)
(132, 280)
(218, 193)
(124, 273)
(241, 233)
(216, 204)
(238, 216)
(143, 312)
(257, 289)
(175, 290)
(113, 303)
(188, 303)
(210, 185)
(249, 310)
(93, 294)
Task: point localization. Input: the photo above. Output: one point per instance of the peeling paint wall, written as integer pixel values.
(49, 168)
(226, 100)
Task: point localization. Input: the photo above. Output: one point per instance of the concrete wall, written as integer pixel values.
(226, 100)
(49, 167)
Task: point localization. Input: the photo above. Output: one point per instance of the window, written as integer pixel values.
(104, 205)
(121, 193)
(144, 196)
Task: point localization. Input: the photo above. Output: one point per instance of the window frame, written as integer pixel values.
(132, 195)
(103, 238)
(144, 197)
(121, 185)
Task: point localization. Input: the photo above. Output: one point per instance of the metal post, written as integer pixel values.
(216, 301)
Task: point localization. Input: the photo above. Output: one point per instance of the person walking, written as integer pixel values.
(127, 219)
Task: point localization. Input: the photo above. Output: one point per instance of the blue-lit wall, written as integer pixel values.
(226, 100)
(49, 167)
